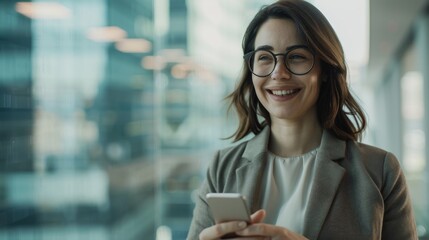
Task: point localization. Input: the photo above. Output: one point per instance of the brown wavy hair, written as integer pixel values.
(337, 110)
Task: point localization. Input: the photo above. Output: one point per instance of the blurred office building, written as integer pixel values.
(107, 116)
(76, 113)
(111, 110)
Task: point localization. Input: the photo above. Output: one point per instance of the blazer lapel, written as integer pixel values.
(249, 175)
(327, 178)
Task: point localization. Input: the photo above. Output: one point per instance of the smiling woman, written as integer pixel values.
(324, 44)
(109, 109)
(301, 84)
(304, 173)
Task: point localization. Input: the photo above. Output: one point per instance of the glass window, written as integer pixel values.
(414, 137)
(76, 120)
(109, 113)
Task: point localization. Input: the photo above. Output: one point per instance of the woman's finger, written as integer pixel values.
(258, 216)
(221, 229)
(270, 231)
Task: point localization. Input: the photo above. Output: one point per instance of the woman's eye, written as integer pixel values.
(296, 58)
(265, 58)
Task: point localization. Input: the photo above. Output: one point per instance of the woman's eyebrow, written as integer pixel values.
(268, 47)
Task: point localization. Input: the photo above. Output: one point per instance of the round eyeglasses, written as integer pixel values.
(298, 59)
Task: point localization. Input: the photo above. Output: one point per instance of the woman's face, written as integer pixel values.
(285, 95)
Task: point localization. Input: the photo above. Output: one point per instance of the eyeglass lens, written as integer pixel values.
(298, 61)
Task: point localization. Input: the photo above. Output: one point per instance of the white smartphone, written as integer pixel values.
(228, 207)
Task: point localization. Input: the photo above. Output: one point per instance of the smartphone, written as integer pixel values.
(228, 207)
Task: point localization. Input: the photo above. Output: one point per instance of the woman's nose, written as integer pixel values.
(280, 71)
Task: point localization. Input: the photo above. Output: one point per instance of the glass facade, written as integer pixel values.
(109, 113)
(76, 113)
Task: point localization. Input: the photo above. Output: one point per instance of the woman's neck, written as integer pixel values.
(289, 139)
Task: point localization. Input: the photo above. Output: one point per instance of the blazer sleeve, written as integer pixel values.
(202, 217)
(398, 221)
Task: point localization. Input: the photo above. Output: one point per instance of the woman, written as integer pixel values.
(304, 174)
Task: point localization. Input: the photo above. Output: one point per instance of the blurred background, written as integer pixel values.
(110, 110)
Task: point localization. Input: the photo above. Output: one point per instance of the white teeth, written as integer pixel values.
(283, 92)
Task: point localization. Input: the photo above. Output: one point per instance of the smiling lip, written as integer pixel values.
(283, 94)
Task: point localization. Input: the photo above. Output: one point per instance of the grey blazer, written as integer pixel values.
(360, 191)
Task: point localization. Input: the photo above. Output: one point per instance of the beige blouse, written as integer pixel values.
(288, 181)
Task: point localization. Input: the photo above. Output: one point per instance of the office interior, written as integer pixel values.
(110, 111)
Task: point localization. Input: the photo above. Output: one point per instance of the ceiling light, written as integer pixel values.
(106, 34)
(43, 10)
(153, 62)
(135, 45)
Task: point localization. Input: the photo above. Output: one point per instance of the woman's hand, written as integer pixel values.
(255, 231)
(259, 230)
(220, 229)
(268, 231)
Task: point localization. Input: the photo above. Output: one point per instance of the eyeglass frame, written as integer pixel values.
(249, 55)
